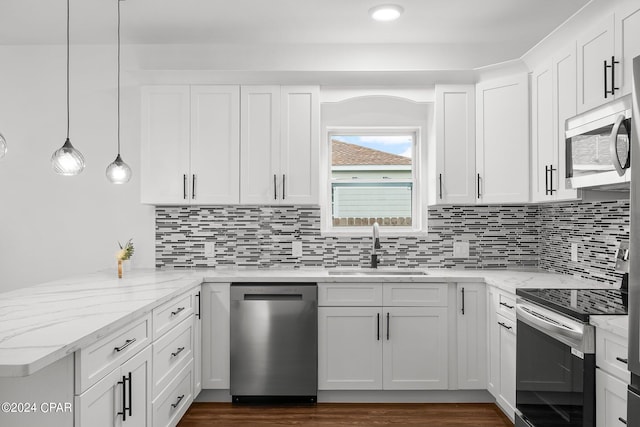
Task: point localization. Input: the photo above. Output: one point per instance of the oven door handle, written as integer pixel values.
(545, 322)
(613, 145)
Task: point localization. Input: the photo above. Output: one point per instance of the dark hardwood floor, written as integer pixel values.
(346, 414)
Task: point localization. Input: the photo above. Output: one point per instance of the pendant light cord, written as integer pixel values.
(68, 121)
(118, 77)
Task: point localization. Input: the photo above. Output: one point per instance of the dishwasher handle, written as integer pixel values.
(272, 297)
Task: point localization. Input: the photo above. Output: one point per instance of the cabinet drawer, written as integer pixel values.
(174, 400)
(611, 354)
(415, 294)
(350, 294)
(171, 313)
(100, 358)
(172, 352)
(506, 305)
(507, 324)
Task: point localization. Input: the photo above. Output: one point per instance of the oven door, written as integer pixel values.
(555, 378)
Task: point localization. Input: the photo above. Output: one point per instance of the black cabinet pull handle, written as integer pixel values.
(124, 398)
(126, 344)
(606, 91)
(504, 326)
(620, 359)
(479, 186)
(175, 313)
(175, 405)
(275, 187)
(193, 186)
(440, 179)
(622, 420)
(378, 325)
(184, 186)
(546, 180)
(180, 350)
(283, 196)
(463, 301)
(510, 307)
(387, 326)
(613, 75)
(551, 170)
(199, 304)
(130, 396)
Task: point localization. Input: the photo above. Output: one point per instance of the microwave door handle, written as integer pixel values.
(613, 145)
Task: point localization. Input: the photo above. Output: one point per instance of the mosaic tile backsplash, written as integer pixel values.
(524, 236)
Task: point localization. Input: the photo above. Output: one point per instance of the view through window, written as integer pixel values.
(372, 179)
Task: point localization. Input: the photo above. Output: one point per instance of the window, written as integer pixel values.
(373, 179)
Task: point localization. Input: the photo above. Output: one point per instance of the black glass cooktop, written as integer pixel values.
(579, 303)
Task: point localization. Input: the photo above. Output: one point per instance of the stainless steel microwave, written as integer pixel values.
(598, 147)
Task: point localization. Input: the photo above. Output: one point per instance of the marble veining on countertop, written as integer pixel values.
(42, 324)
(618, 325)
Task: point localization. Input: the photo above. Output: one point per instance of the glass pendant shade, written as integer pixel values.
(67, 160)
(118, 172)
(3, 146)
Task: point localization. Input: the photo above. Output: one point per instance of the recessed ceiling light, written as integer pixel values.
(386, 12)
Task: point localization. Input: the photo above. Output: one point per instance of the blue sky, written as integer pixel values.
(394, 144)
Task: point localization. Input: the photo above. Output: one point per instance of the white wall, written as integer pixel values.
(52, 226)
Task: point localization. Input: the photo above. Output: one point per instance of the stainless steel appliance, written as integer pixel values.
(555, 354)
(274, 329)
(598, 145)
(633, 403)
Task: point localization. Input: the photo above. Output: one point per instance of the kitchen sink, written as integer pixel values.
(376, 272)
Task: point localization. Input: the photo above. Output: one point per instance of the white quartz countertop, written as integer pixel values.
(44, 323)
(618, 325)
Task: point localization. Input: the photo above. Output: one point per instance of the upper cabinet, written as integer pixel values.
(219, 144)
(502, 140)
(455, 144)
(605, 55)
(279, 144)
(190, 144)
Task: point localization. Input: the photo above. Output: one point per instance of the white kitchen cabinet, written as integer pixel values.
(502, 140)
(455, 144)
(216, 345)
(350, 348)
(611, 400)
(627, 43)
(197, 342)
(279, 144)
(123, 397)
(543, 139)
(472, 336)
(415, 355)
(190, 145)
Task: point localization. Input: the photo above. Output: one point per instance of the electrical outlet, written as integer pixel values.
(296, 248)
(209, 249)
(461, 249)
(574, 252)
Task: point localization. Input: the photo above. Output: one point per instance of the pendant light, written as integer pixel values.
(67, 160)
(3, 146)
(118, 172)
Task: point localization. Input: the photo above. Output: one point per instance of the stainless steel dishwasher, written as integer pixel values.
(274, 341)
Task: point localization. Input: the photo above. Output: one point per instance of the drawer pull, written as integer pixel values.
(622, 420)
(175, 313)
(504, 326)
(510, 307)
(620, 359)
(180, 349)
(126, 344)
(175, 405)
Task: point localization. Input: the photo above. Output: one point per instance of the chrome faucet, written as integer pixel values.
(376, 245)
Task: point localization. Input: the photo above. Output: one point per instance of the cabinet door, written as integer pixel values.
(197, 344)
(544, 148)
(565, 107)
(349, 348)
(215, 335)
(493, 331)
(502, 140)
(595, 46)
(215, 144)
(165, 145)
(472, 336)
(260, 145)
(507, 367)
(99, 405)
(455, 144)
(611, 400)
(415, 350)
(139, 394)
(627, 43)
(299, 144)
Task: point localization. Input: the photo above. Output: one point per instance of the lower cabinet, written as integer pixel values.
(471, 324)
(173, 401)
(216, 346)
(611, 400)
(123, 397)
(197, 342)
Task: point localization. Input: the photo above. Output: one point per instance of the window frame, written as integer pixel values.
(418, 196)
